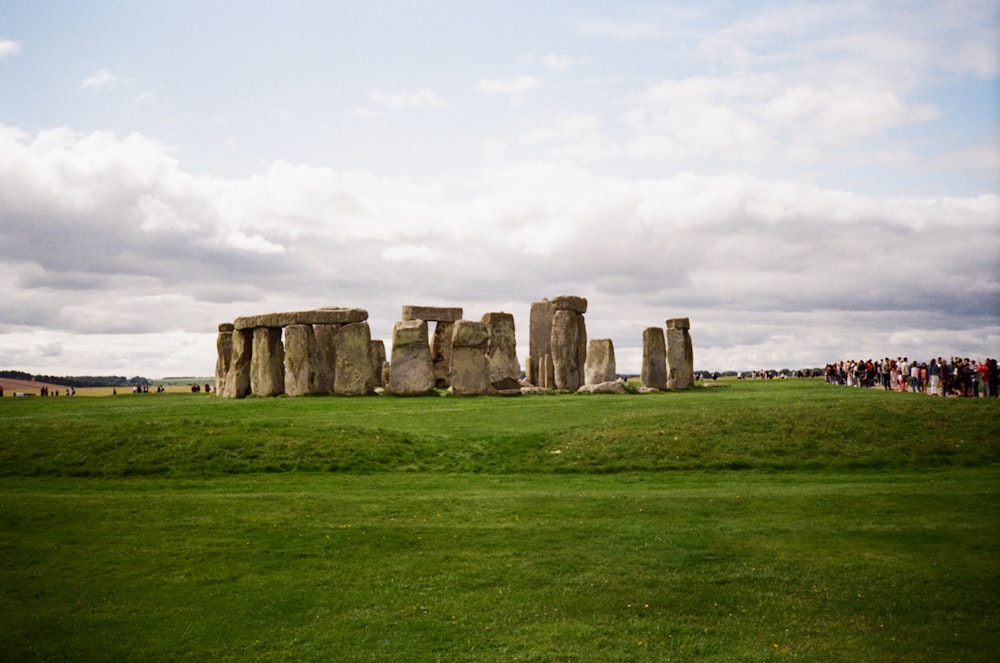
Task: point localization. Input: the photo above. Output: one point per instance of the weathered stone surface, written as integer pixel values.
(378, 362)
(680, 359)
(322, 316)
(238, 377)
(326, 355)
(679, 323)
(353, 364)
(570, 303)
(470, 369)
(441, 353)
(411, 370)
(223, 358)
(581, 346)
(470, 334)
(531, 371)
(611, 387)
(546, 373)
(539, 336)
(501, 350)
(226, 326)
(653, 374)
(301, 361)
(600, 366)
(431, 313)
(566, 353)
(267, 364)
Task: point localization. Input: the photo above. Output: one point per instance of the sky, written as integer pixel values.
(806, 181)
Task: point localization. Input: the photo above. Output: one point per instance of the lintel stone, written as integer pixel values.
(322, 316)
(679, 323)
(569, 303)
(431, 313)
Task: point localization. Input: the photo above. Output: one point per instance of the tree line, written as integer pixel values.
(79, 380)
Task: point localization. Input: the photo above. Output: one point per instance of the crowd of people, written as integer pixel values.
(938, 377)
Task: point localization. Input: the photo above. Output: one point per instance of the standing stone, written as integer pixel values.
(539, 338)
(653, 374)
(301, 361)
(470, 368)
(680, 354)
(238, 377)
(411, 370)
(600, 366)
(501, 351)
(565, 342)
(352, 374)
(531, 372)
(267, 364)
(326, 355)
(546, 373)
(581, 343)
(441, 352)
(224, 356)
(378, 363)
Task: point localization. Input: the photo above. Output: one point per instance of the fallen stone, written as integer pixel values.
(612, 387)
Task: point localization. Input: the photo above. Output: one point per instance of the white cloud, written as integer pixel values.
(100, 79)
(514, 88)
(630, 30)
(8, 48)
(551, 61)
(423, 98)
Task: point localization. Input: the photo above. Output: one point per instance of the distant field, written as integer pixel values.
(10, 386)
(756, 521)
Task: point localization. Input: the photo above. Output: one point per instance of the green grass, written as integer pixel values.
(775, 425)
(861, 526)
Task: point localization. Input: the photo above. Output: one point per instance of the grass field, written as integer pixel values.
(754, 522)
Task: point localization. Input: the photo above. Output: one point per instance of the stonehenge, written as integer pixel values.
(301, 361)
(470, 367)
(680, 355)
(411, 369)
(600, 366)
(501, 351)
(295, 353)
(653, 374)
(330, 351)
(224, 355)
(444, 318)
(562, 360)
